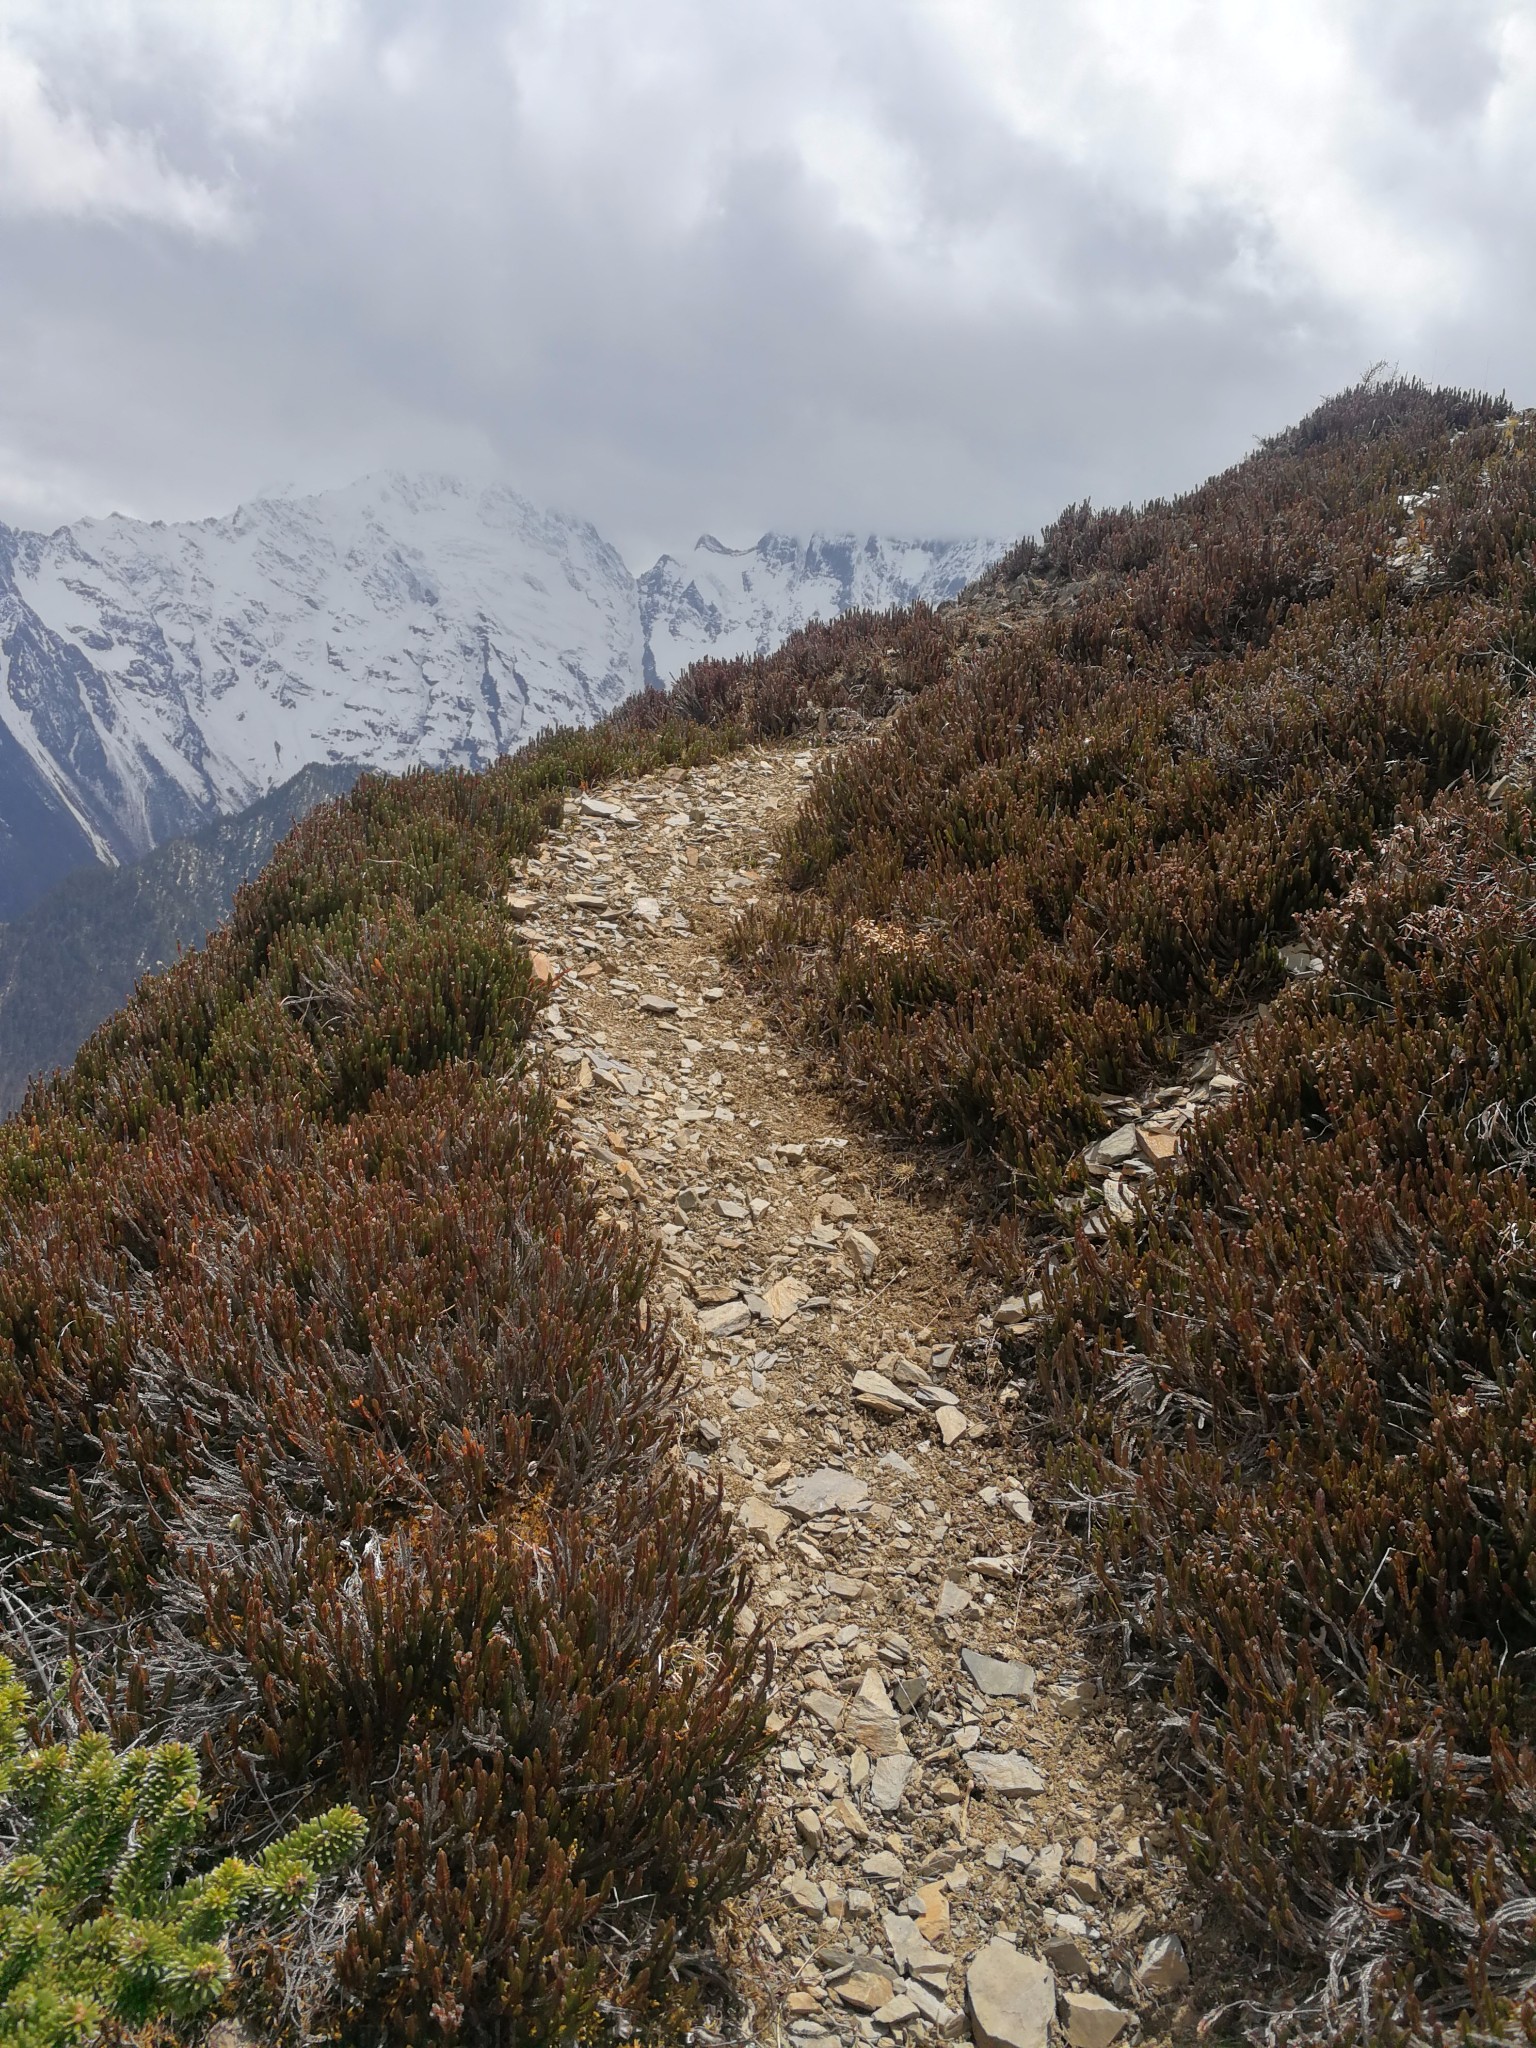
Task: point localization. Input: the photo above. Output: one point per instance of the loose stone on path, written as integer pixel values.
(941, 1762)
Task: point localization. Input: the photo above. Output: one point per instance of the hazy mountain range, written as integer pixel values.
(154, 677)
(72, 959)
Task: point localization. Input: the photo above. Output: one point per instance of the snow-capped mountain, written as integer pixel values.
(153, 677)
(723, 601)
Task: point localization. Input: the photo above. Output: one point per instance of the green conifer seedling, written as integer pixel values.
(93, 1929)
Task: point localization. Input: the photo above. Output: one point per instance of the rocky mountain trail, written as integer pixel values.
(962, 1832)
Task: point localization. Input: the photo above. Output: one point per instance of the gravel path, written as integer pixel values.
(947, 1782)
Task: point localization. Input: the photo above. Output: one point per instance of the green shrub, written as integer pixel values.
(93, 1929)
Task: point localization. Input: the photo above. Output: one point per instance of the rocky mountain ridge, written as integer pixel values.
(717, 600)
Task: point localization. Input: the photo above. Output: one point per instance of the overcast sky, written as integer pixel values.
(929, 266)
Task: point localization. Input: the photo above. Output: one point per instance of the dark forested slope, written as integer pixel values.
(72, 958)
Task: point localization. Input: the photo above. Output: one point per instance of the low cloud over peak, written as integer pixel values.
(931, 265)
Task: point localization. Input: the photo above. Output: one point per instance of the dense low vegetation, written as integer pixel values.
(333, 1420)
(75, 955)
(1298, 1392)
(331, 1434)
(1073, 858)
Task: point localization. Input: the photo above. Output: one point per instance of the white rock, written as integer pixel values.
(913, 1951)
(871, 1721)
(896, 2012)
(762, 1518)
(874, 1390)
(803, 1892)
(1002, 1569)
(784, 1298)
(1075, 1697)
(999, 1677)
(1300, 960)
(952, 1425)
(1012, 1998)
(825, 1706)
(865, 1990)
(872, 1694)
(865, 1250)
(1067, 1956)
(889, 1781)
(728, 1320)
(823, 1492)
(1163, 1967)
(1005, 1772)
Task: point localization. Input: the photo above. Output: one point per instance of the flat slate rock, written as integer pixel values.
(771, 1522)
(888, 1781)
(1012, 1998)
(728, 1320)
(873, 1389)
(826, 1706)
(914, 1953)
(1092, 2022)
(1006, 1772)
(823, 1492)
(784, 1298)
(999, 1677)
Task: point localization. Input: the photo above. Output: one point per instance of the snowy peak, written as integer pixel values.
(154, 677)
(723, 601)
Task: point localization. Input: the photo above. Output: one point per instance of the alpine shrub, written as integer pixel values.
(335, 1433)
(93, 1930)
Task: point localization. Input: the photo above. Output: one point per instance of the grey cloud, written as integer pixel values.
(667, 331)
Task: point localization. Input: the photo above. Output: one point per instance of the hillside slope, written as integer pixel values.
(75, 955)
(339, 1433)
(1237, 790)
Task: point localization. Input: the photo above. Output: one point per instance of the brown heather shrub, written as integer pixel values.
(333, 1419)
(1303, 1402)
(1092, 834)
(1298, 1393)
(334, 1433)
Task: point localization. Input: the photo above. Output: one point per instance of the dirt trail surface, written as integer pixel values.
(959, 1836)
